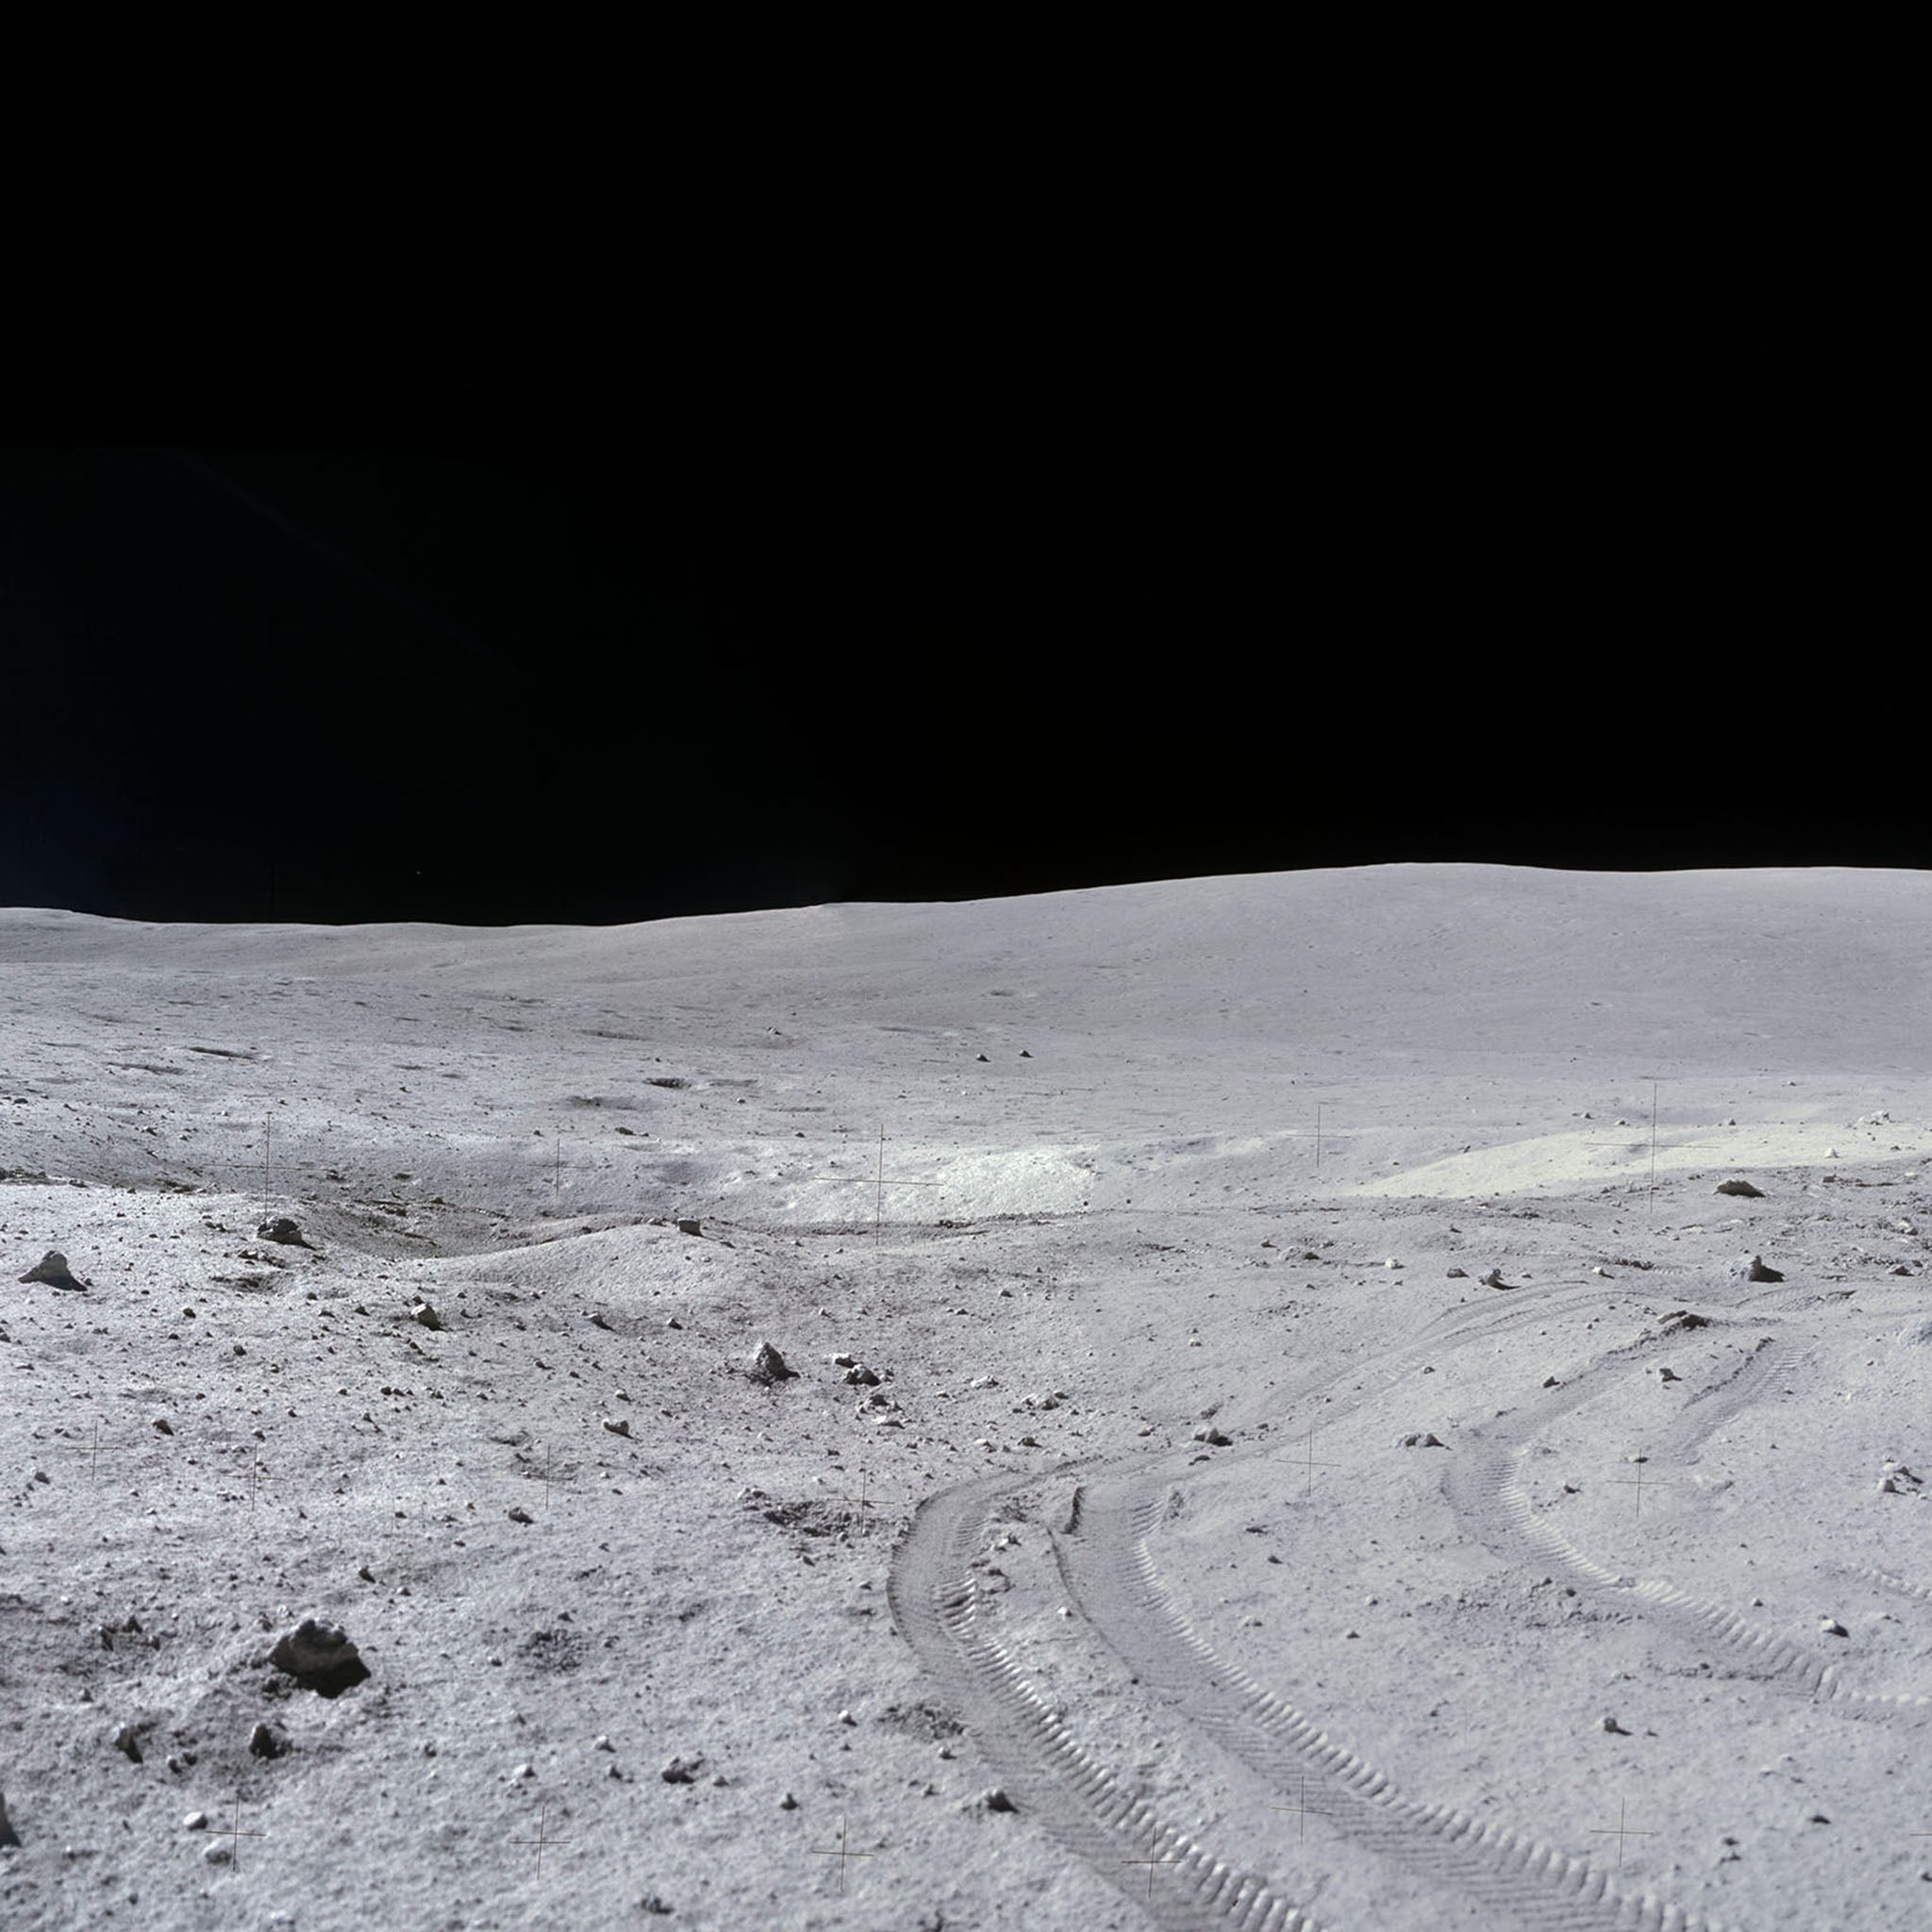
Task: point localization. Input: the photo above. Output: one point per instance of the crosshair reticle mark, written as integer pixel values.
(93, 1455)
(542, 1839)
(1621, 1831)
(1637, 1480)
(235, 1834)
(842, 1853)
(1302, 1807)
(1311, 1463)
(1150, 1863)
(879, 1183)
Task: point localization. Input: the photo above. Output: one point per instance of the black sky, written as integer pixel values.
(973, 591)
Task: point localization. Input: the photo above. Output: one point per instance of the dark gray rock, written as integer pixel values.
(52, 1269)
(319, 1658)
(770, 1366)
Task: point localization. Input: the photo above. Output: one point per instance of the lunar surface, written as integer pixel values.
(1380, 1400)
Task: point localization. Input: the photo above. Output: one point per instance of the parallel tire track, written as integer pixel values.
(1107, 1564)
(1521, 1881)
(1483, 1489)
(1071, 1795)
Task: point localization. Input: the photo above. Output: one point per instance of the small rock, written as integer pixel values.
(283, 1230)
(1420, 1439)
(690, 1227)
(1212, 1437)
(1743, 1188)
(788, 1803)
(996, 1800)
(1667, 1376)
(682, 1771)
(218, 1854)
(1611, 1725)
(620, 1427)
(1551, 1382)
(195, 1821)
(1755, 1270)
(52, 1269)
(423, 1313)
(127, 1744)
(263, 1742)
(1494, 1279)
(770, 1366)
(1830, 1627)
(8, 1835)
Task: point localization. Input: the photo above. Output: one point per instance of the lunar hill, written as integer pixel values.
(1372, 1400)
